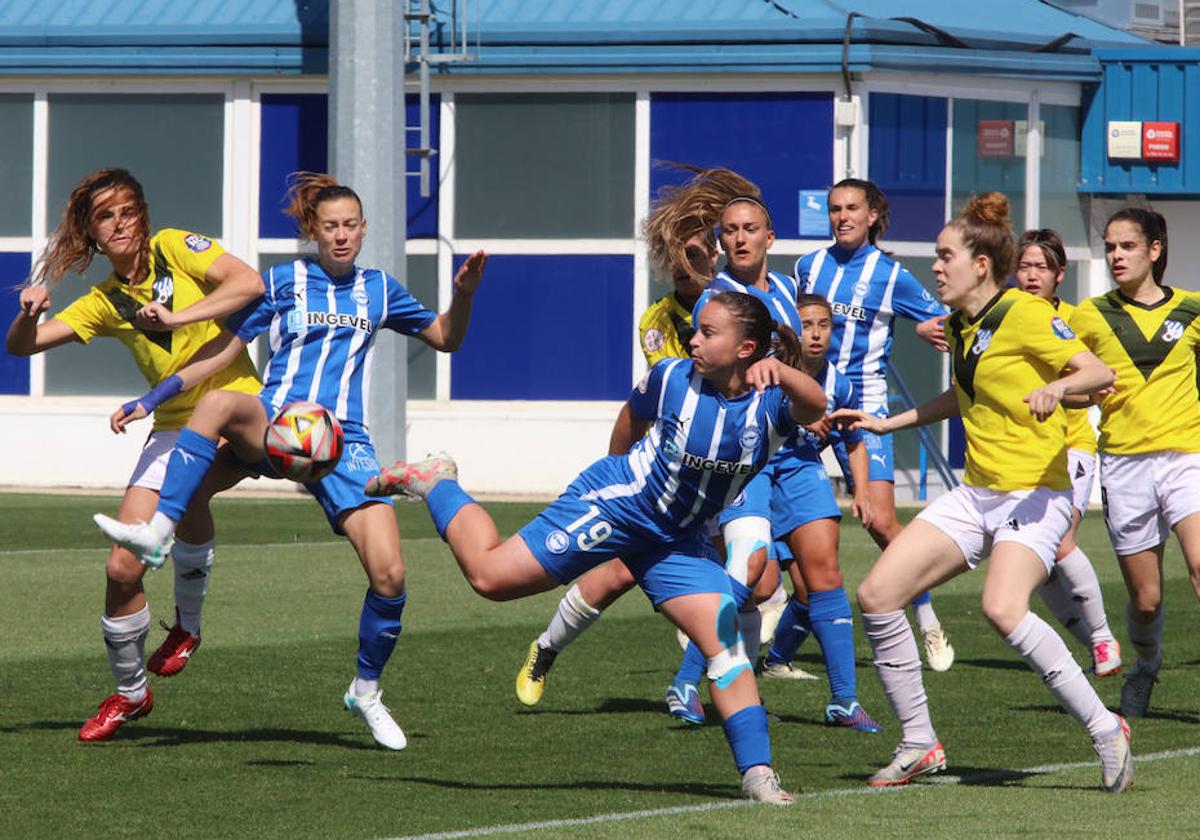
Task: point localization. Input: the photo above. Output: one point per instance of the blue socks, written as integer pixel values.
(378, 629)
(445, 500)
(189, 462)
(694, 663)
(833, 625)
(746, 732)
(793, 628)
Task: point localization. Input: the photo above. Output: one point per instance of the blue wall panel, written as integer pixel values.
(295, 131)
(908, 161)
(14, 370)
(781, 141)
(1161, 85)
(548, 328)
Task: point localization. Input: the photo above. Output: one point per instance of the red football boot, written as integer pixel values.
(175, 651)
(113, 714)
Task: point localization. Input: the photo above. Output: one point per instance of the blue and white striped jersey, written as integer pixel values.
(866, 288)
(322, 333)
(699, 452)
(780, 298)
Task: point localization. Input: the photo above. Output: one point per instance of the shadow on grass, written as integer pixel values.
(994, 664)
(709, 791)
(979, 777)
(162, 736)
(610, 706)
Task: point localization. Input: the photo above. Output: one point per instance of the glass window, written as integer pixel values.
(14, 370)
(174, 144)
(783, 142)
(16, 165)
(294, 137)
(422, 359)
(988, 153)
(549, 328)
(1061, 206)
(908, 162)
(553, 166)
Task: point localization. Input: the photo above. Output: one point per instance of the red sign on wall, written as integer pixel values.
(994, 139)
(1160, 141)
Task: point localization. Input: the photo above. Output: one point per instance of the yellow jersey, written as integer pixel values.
(178, 263)
(1080, 434)
(665, 329)
(1016, 344)
(1156, 406)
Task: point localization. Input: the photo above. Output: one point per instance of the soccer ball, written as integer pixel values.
(303, 442)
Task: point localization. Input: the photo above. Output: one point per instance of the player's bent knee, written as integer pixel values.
(1004, 616)
(123, 569)
(727, 666)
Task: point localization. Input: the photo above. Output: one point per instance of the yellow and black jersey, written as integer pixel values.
(1156, 406)
(665, 329)
(1080, 434)
(1015, 345)
(178, 262)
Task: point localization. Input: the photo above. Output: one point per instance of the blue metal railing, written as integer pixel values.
(929, 450)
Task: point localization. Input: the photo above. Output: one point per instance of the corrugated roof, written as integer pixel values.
(566, 36)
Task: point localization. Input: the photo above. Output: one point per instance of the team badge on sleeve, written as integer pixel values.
(557, 541)
(653, 340)
(196, 243)
(1061, 329)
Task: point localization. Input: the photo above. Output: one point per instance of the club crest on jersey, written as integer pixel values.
(196, 243)
(981, 342)
(164, 289)
(360, 297)
(671, 449)
(653, 340)
(1172, 331)
(557, 542)
(750, 438)
(295, 320)
(861, 288)
(1061, 329)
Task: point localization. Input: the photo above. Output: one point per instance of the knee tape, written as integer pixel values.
(724, 668)
(743, 537)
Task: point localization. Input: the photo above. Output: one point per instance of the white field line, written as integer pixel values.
(100, 548)
(488, 831)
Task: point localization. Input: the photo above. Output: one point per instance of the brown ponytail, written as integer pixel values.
(71, 247)
(986, 229)
(306, 191)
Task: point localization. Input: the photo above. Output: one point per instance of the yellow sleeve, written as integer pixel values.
(192, 252)
(652, 334)
(1045, 334)
(89, 315)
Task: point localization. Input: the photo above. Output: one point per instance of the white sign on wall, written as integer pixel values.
(1124, 139)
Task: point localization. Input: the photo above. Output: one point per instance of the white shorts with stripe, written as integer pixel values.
(1082, 466)
(152, 465)
(1145, 496)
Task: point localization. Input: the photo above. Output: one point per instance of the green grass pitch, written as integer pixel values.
(251, 740)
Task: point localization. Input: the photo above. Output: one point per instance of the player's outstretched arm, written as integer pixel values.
(25, 335)
(237, 285)
(448, 330)
(860, 472)
(212, 358)
(942, 406)
(1088, 375)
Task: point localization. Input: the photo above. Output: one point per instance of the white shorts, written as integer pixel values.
(1145, 496)
(1082, 466)
(977, 518)
(152, 465)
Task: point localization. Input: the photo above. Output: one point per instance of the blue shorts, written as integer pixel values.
(879, 453)
(572, 536)
(801, 493)
(343, 489)
(754, 500)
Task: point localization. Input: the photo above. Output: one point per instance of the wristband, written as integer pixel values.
(156, 396)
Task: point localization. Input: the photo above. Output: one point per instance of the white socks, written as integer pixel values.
(574, 615)
(1045, 652)
(898, 664)
(125, 640)
(364, 687)
(1147, 638)
(193, 565)
(1073, 595)
(926, 618)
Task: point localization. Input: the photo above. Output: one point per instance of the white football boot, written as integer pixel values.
(138, 538)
